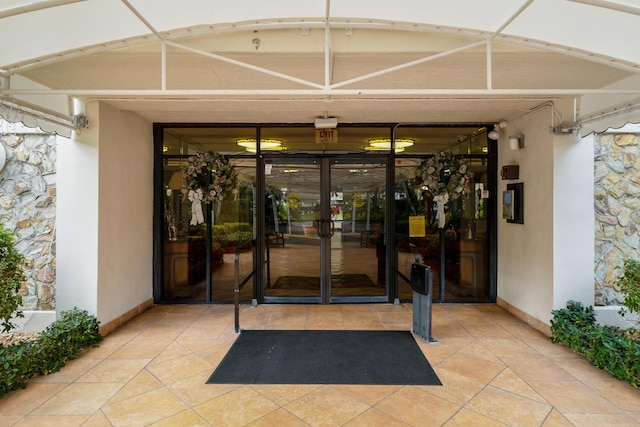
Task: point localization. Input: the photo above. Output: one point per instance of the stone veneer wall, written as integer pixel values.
(617, 210)
(28, 208)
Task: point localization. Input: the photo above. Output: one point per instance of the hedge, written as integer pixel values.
(60, 342)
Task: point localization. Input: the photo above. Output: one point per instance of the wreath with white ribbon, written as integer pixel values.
(207, 177)
(444, 177)
(293, 201)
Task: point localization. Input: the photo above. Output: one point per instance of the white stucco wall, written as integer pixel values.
(105, 212)
(525, 251)
(77, 218)
(125, 246)
(548, 259)
(573, 219)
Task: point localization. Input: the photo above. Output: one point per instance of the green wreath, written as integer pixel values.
(293, 201)
(358, 200)
(210, 175)
(443, 174)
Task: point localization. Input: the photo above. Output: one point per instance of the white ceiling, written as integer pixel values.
(290, 61)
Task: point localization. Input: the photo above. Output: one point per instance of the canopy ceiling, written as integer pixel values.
(291, 61)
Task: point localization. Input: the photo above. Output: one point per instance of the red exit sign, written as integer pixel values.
(326, 136)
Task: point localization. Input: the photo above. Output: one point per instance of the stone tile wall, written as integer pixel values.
(617, 209)
(28, 208)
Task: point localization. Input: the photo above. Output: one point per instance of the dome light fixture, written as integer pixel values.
(251, 145)
(385, 144)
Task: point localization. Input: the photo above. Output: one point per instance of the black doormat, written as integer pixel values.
(325, 357)
(311, 282)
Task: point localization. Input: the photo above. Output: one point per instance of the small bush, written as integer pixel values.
(628, 281)
(605, 347)
(11, 278)
(62, 341)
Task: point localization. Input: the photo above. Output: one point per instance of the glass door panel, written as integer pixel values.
(325, 221)
(292, 214)
(458, 254)
(357, 214)
(198, 258)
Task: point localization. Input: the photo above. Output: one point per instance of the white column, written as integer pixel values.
(77, 218)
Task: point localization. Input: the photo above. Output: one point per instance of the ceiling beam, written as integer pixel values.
(328, 48)
(246, 65)
(35, 6)
(286, 94)
(406, 65)
(611, 5)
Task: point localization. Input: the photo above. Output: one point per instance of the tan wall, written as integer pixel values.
(548, 259)
(125, 245)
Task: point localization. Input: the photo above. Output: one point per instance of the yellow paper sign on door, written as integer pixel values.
(416, 226)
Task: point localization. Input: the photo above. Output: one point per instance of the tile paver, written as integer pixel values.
(495, 371)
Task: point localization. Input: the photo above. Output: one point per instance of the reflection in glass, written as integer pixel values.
(462, 242)
(198, 259)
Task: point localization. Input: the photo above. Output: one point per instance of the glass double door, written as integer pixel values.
(324, 218)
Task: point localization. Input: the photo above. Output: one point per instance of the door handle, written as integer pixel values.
(320, 222)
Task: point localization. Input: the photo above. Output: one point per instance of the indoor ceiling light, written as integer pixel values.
(371, 148)
(251, 145)
(385, 144)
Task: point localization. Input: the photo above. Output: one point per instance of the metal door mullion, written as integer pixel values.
(324, 227)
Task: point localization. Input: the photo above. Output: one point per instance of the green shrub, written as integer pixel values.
(569, 325)
(11, 278)
(605, 347)
(60, 342)
(628, 281)
(231, 233)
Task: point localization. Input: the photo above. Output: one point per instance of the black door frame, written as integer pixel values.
(326, 161)
(391, 261)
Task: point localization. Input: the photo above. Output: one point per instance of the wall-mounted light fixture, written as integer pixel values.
(495, 133)
(516, 142)
(326, 123)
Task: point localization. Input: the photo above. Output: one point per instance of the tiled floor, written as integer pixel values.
(495, 371)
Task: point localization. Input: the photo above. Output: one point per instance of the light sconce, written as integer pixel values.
(516, 142)
(380, 144)
(326, 123)
(266, 144)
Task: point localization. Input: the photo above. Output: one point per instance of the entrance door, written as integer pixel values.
(325, 221)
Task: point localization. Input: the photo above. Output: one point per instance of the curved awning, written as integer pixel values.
(459, 61)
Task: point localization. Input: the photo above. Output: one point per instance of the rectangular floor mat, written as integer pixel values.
(325, 357)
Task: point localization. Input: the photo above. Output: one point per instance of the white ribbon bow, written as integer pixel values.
(196, 197)
(442, 200)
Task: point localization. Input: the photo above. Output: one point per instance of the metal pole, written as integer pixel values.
(443, 247)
